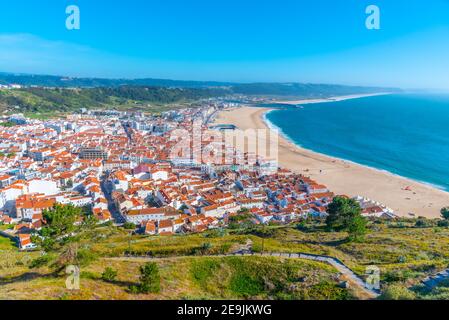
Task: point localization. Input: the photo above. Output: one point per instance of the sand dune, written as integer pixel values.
(344, 177)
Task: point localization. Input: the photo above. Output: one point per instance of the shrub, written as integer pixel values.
(443, 223)
(86, 257)
(397, 292)
(215, 233)
(109, 274)
(134, 289)
(262, 231)
(41, 261)
(423, 223)
(129, 226)
(328, 291)
(150, 280)
(204, 249)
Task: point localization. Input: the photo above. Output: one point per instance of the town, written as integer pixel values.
(126, 168)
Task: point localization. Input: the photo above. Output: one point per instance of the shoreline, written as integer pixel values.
(345, 176)
(285, 136)
(331, 99)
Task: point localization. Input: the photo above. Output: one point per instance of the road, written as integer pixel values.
(435, 280)
(118, 218)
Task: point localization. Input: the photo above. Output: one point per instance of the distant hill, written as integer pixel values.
(304, 90)
(69, 82)
(44, 93)
(276, 89)
(47, 100)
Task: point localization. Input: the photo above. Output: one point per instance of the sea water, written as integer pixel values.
(405, 134)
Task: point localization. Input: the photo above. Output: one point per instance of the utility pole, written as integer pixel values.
(263, 239)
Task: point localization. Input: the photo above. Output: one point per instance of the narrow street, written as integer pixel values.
(118, 218)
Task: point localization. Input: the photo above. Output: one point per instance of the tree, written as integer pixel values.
(445, 213)
(422, 222)
(59, 225)
(357, 228)
(109, 274)
(129, 226)
(345, 214)
(60, 220)
(89, 221)
(150, 279)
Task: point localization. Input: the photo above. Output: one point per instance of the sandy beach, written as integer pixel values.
(333, 99)
(403, 195)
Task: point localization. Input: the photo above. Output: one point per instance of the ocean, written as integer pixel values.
(404, 134)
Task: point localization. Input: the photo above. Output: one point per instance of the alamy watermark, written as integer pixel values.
(373, 20)
(372, 278)
(72, 281)
(251, 147)
(73, 20)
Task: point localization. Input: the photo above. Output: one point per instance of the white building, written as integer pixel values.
(8, 197)
(47, 187)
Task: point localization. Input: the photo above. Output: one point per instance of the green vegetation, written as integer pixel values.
(60, 220)
(150, 280)
(109, 274)
(41, 261)
(50, 96)
(129, 226)
(6, 243)
(69, 82)
(258, 277)
(279, 89)
(398, 292)
(404, 252)
(241, 221)
(445, 213)
(48, 101)
(7, 124)
(286, 279)
(346, 215)
(59, 227)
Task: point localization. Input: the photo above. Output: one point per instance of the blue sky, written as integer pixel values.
(232, 40)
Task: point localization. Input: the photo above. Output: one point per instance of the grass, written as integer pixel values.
(393, 250)
(42, 103)
(4, 227)
(7, 243)
(188, 278)
(404, 254)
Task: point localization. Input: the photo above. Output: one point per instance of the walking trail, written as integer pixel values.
(354, 281)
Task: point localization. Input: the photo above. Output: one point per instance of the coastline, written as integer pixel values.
(343, 176)
(332, 99)
(285, 136)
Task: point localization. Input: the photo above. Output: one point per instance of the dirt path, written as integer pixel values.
(347, 274)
